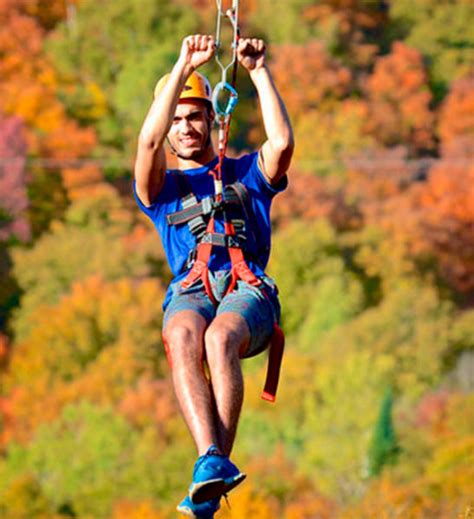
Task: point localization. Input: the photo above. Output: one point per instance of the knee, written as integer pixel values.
(222, 345)
(184, 344)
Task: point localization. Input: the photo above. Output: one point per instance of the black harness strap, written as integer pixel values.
(193, 217)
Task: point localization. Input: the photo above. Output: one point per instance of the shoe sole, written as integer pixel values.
(212, 488)
(189, 513)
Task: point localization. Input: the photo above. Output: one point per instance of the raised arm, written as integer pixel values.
(277, 150)
(150, 164)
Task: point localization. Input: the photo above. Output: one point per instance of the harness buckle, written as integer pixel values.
(206, 238)
(207, 205)
(232, 241)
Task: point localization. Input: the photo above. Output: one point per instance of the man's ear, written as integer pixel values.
(212, 115)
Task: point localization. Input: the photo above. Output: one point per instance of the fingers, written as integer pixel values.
(199, 42)
(251, 46)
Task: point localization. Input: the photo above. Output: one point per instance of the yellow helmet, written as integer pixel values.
(196, 87)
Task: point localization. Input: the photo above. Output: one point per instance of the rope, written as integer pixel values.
(224, 114)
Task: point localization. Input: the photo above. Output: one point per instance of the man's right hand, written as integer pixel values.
(197, 50)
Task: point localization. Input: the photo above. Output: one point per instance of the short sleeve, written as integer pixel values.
(148, 210)
(255, 176)
(166, 195)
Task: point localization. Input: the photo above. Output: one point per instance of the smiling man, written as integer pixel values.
(221, 306)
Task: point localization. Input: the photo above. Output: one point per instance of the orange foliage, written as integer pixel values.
(447, 201)
(432, 412)
(311, 197)
(355, 21)
(83, 181)
(277, 490)
(250, 503)
(399, 100)
(427, 209)
(306, 75)
(140, 510)
(150, 401)
(94, 345)
(309, 506)
(456, 118)
(4, 348)
(29, 84)
(391, 500)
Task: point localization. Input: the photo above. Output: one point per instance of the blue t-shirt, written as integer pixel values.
(178, 240)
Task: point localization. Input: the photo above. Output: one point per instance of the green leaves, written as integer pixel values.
(86, 460)
(124, 53)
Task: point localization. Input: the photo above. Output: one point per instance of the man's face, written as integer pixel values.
(189, 134)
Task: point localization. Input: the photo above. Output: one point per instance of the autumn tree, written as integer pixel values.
(384, 448)
(95, 344)
(399, 100)
(98, 236)
(112, 462)
(440, 30)
(29, 90)
(14, 224)
(13, 196)
(109, 64)
(350, 30)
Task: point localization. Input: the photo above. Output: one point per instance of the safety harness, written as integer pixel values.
(233, 203)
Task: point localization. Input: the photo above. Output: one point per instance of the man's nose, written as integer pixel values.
(184, 126)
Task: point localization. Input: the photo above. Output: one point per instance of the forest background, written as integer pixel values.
(373, 252)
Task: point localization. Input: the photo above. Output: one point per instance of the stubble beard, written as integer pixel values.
(196, 154)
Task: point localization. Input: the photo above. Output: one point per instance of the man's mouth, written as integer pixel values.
(189, 141)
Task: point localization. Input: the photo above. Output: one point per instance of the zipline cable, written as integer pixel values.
(224, 113)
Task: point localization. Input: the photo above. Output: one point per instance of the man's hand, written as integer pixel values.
(251, 53)
(197, 50)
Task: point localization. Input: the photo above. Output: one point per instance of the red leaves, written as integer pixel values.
(307, 75)
(399, 100)
(13, 197)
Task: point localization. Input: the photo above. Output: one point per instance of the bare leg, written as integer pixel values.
(184, 334)
(227, 336)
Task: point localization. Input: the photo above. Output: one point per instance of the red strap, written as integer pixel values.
(240, 269)
(200, 267)
(275, 356)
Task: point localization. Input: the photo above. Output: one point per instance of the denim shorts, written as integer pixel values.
(259, 306)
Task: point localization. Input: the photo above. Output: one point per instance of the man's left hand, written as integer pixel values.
(251, 53)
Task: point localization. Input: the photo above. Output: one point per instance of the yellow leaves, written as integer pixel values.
(310, 505)
(99, 102)
(95, 344)
(248, 502)
(138, 510)
(329, 134)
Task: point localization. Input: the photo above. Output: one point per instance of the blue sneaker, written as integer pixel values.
(214, 476)
(205, 510)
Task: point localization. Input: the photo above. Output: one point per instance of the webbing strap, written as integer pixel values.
(200, 269)
(234, 195)
(221, 240)
(275, 357)
(202, 208)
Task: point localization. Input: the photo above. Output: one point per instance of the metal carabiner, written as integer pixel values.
(231, 103)
(232, 14)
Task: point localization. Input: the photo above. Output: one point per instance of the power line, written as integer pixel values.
(50, 163)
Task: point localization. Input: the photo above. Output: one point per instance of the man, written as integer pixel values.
(214, 317)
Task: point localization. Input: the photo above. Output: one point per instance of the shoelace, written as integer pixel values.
(227, 501)
(210, 452)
